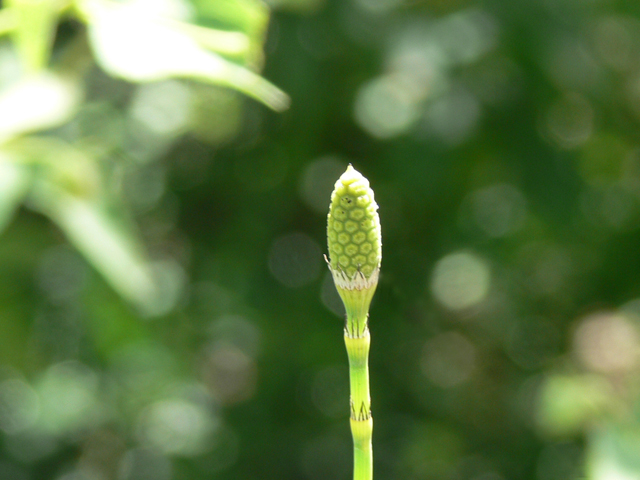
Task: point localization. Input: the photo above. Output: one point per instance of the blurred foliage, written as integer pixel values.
(61, 175)
(165, 312)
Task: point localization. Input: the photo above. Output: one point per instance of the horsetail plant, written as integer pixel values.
(355, 252)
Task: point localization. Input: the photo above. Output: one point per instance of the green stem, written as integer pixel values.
(363, 459)
(357, 341)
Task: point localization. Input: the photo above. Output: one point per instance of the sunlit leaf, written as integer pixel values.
(36, 103)
(139, 48)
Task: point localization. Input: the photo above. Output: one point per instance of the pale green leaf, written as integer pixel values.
(67, 187)
(143, 48)
(113, 250)
(35, 103)
(220, 41)
(249, 16)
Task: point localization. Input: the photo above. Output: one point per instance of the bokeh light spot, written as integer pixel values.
(68, 395)
(19, 406)
(569, 121)
(318, 180)
(448, 359)
(169, 278)
(176, 426)
(145, 187)
(163, 107)
(467, 35)
(452, 118)
(78, 474)
(329, 296)
(329, 391)
(570, 63)
(378, 7)
(460, 280)
(238, 331)
(229, 373)
(614, 42)
(144, 464)
(498, 210)
(384, 108)
(607, 342)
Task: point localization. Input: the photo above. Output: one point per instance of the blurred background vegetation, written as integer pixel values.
(165, 310)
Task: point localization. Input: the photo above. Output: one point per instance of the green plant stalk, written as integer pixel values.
(361, 420)
(354, 241)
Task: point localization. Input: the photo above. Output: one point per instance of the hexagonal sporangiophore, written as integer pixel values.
(354, 215)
